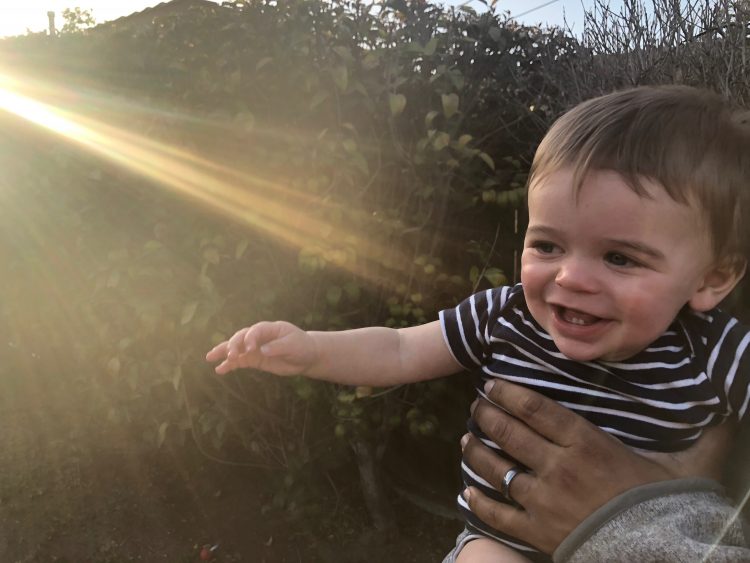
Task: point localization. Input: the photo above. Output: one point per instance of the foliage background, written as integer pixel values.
(335, 164)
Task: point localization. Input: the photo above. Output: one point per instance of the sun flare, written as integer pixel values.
(251, 200)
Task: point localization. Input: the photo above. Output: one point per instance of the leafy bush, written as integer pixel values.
(335, 164)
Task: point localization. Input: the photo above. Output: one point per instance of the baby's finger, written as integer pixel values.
(237, 344)
(225, 367)
(261, 333)
(253, 337)
(218, 352)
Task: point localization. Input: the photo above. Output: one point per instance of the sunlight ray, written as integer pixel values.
(233, 193)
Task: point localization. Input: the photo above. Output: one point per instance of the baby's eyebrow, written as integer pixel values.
(638, 247)
(542, 230)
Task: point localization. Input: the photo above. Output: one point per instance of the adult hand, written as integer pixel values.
(574, 466)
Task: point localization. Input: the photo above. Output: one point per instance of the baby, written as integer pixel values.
(638, 226)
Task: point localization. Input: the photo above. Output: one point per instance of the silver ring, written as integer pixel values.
(507, 478)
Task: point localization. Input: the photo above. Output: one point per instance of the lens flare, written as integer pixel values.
(270, 207)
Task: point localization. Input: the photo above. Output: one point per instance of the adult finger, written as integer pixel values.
(545, 416)
(500, 516)
(491, 468)
(513, 435)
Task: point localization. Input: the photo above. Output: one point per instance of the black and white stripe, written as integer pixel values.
(693, 376)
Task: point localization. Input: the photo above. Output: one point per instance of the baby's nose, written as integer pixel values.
(575, 275)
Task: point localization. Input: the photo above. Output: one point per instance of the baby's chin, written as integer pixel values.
(577, 354)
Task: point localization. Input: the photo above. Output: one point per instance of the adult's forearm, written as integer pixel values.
(668, 521)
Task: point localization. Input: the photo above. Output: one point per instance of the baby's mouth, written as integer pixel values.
(574, 317)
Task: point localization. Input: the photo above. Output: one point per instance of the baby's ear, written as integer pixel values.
(718, 283)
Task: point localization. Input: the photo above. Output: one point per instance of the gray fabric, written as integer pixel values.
(669, 522)
(463, 538)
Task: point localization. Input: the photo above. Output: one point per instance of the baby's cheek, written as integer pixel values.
(648, 314)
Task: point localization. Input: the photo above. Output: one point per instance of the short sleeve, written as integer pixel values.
(729, 363)
(467, 327)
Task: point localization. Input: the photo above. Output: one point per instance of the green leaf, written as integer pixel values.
(188, 312)
(318, 99)
(487, 159)
(397, 103)
(333, 295)
(370, 61)
(162, 434)
(429, 49)
(463, 140)
(456, 78)
(489, 196)
(340, 77)
(358, 87)
(441, 141)
(303, 388)
(415, 47)
(346, 397)
(429, 118)
(450, 104)
(473, 274)
(344, 52)
(177, 378)
(263, 62)
(352, 291)
(495, 276)
(361, 163)
(241, 247)
(211, 255)
(363, 391)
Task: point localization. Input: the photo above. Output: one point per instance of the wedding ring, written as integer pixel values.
(507, 478)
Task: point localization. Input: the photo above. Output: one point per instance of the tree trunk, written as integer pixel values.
(381, 511)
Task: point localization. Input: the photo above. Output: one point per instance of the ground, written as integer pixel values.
(65, 496)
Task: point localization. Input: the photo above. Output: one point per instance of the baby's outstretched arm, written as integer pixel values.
(374, 356)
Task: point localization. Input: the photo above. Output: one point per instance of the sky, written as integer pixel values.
(16, 17)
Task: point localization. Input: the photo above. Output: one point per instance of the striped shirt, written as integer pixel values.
(693, 376)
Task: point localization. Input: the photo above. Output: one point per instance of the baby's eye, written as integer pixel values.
(620, 260)
(544, 247)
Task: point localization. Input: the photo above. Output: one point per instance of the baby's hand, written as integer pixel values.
(278, 347)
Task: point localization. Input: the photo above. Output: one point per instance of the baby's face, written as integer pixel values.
(606, 274)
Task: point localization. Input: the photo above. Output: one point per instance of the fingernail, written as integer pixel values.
(488, 386)
(467, 494)
(264, 349)
(464, 441)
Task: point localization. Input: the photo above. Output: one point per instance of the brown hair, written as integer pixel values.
(690, 141)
